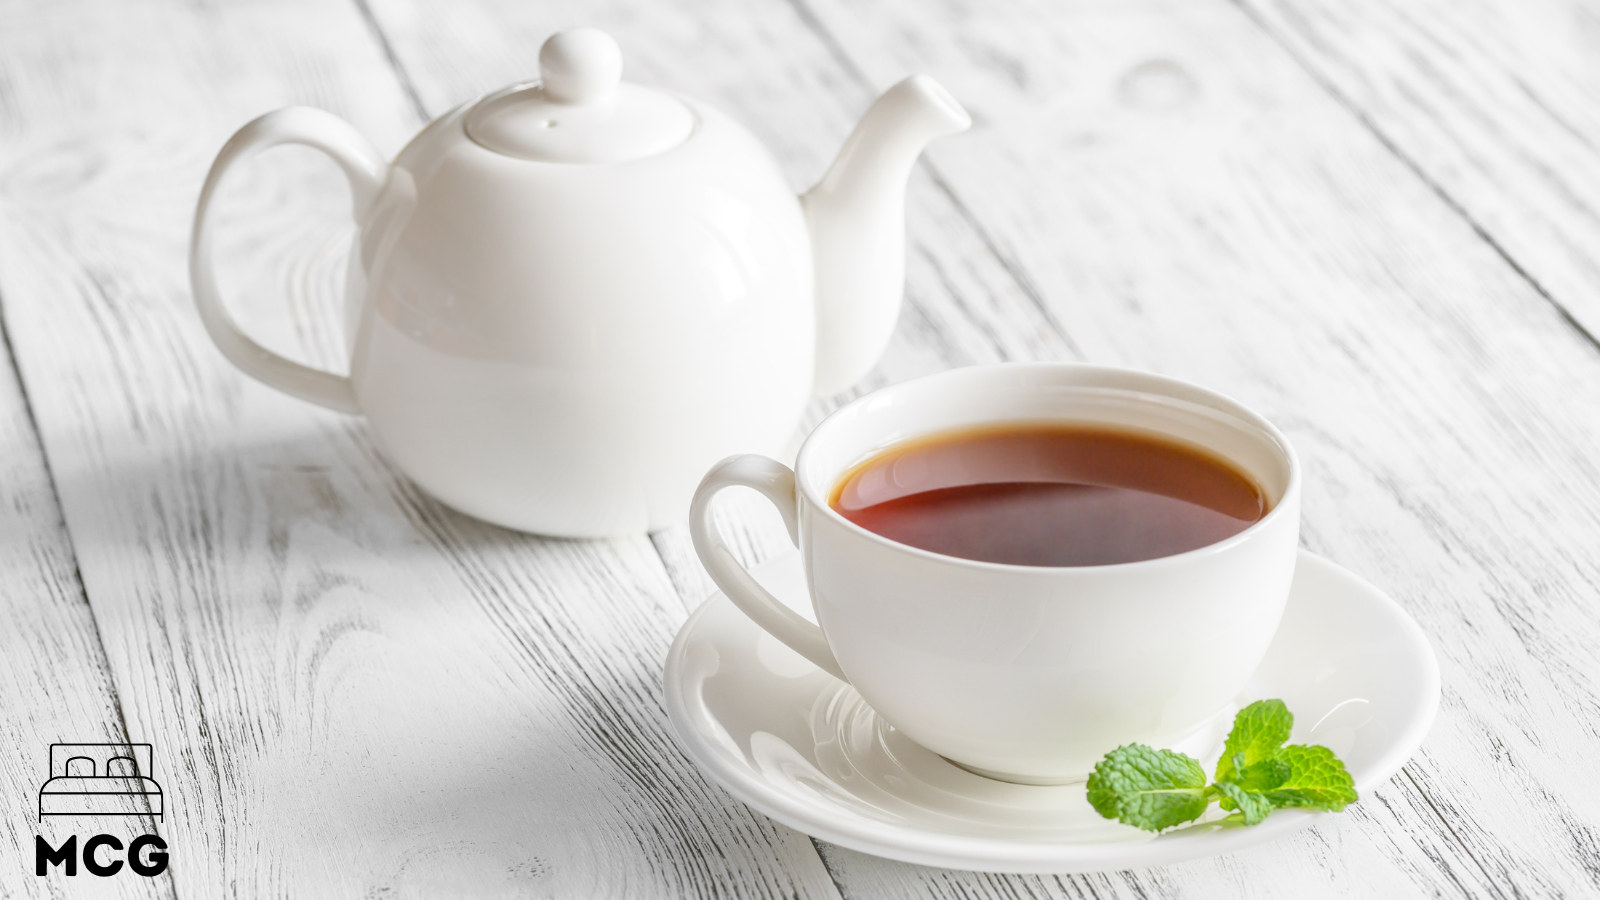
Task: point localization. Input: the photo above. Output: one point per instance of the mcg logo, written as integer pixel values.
(101, 780)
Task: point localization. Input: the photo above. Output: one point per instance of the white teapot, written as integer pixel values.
(568, 299)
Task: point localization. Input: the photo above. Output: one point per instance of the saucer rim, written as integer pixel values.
(982, 854)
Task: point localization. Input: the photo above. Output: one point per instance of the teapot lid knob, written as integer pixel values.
(580, 111)
(583, 65)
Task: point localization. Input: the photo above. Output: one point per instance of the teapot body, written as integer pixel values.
(571, 297)
(565, 349)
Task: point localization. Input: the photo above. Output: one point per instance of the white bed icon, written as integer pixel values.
(100, 780)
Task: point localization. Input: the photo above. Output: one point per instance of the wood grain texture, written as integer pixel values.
(1492, 103)
(353, 690)
(1159, 179)
(55, 685)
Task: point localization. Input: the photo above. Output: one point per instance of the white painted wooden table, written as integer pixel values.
(1375, 221)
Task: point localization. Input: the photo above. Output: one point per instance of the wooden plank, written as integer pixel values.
(974, 297)
(55, 685)
(1492, 103)
(353, 691)
(1287, 256)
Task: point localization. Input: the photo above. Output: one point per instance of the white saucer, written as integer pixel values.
(802, 747)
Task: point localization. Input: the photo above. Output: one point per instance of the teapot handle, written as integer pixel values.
(367, 172)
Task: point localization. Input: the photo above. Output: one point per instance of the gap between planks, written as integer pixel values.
(407, 86)
(1366, 121)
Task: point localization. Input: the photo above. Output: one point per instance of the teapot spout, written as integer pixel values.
(856, 216)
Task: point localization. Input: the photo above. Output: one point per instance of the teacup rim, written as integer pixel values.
(1291, 489)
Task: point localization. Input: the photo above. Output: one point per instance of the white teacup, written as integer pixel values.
(1024, 673)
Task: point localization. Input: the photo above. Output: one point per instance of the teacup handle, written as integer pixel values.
(366, 170)
(776, 482)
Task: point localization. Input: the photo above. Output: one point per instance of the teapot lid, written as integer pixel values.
(580, 111)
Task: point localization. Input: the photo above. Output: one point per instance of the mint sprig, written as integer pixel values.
(1159, 789)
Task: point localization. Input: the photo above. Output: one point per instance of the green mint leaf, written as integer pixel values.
(1253, 806)
(1258, 731)
(1263, 776)
(1317, 779)
(1148, 788)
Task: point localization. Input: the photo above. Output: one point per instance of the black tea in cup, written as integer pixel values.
(1049, 494)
